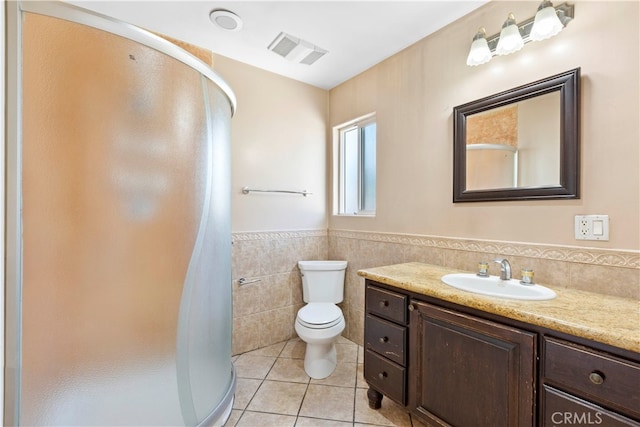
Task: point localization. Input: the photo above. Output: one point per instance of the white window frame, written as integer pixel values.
(339, 167)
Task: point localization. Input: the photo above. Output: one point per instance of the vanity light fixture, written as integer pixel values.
(549, 21)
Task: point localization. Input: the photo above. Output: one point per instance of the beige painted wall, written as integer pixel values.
(280, 135)
(278, 139)
(414, 93)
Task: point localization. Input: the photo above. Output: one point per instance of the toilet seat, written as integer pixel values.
(319, 315)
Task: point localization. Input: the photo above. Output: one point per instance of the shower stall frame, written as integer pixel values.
(11, 210)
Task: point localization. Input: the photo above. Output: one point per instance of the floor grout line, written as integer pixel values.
(290, 357)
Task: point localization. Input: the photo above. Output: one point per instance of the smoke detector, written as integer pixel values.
(226, 19)
(295, 49)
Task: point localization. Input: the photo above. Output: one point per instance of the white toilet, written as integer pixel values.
(320, 322)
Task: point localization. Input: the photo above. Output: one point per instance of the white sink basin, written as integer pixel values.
(493, 286)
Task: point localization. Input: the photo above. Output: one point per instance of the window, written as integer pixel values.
(356, 189)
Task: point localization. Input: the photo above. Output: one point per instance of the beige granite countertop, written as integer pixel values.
(610, 320)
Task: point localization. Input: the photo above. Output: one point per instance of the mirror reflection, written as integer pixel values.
(520, 144)
(517, 145)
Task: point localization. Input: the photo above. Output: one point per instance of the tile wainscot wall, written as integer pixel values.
(265, 310)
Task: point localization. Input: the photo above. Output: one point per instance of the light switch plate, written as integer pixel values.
(592, 227)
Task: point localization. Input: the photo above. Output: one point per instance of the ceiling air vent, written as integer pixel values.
(295, 49)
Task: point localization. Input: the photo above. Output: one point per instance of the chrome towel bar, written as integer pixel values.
(244, 281)
(247, 190)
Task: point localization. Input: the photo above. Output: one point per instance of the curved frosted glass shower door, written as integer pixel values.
(122, 179)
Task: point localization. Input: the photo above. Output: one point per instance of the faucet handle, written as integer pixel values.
(483, 269)
(527, 277)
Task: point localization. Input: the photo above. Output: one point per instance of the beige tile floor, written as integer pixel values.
(273, 390)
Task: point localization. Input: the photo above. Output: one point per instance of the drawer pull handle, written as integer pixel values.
(382, 375)
(412, 307)
(596, 377)
(384, 340)
(384, 303)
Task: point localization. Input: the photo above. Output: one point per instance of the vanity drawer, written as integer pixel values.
(593, 375)
(387, 304)
(563, 409)
(385, 376)
(386, 338)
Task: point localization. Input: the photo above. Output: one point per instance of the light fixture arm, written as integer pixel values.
(565, 12)
(481, 34)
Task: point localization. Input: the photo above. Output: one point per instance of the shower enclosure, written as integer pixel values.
(118, 280)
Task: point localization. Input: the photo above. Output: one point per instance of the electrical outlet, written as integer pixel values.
(583, 228)
(591, 227)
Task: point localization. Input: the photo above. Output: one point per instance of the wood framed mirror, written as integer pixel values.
(520, 144)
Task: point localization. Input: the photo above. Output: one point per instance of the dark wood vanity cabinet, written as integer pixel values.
(447, 367)
(468, 371)
(454, 366)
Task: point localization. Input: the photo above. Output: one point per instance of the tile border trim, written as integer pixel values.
(276, 235)
(582, 255)
(576, 254)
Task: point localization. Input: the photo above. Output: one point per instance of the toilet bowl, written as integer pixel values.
(320, 322)
(320, 357)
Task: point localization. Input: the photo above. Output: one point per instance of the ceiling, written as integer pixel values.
(357, 34)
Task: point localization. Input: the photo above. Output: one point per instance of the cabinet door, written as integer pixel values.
(467, 371)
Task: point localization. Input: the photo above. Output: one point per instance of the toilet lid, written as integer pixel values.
(319, 315)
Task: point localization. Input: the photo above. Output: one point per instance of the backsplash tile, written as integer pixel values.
(608, 272)
(264, 311)
(606, 280)
(613, 258)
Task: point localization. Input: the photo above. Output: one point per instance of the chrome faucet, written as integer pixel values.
(505, 268)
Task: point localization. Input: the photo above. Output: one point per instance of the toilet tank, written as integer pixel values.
(322, 281)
